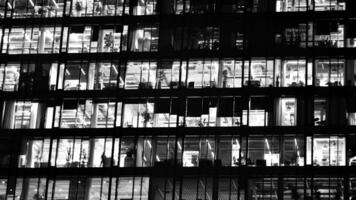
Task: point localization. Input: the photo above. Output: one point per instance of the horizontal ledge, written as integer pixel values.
(120, 94)
(182, 131)
(306, 171)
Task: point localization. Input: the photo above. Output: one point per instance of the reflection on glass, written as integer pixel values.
(304, 5)
(9, 77)
(256, 112)
(263, 151)
(293, 73)
(198, 152)
(141, 75)
(230, 74)
(327, 151)
(329, 72)
(287, 112)
(201, 112)
(258, 73)
(202, 73)
(320, 111)
(263, 188)
(32, 40)
(229, 112)
(144, 39)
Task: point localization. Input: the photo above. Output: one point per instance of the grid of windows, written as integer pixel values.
(177, 99)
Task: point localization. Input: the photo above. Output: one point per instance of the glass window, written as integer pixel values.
(329, 34)
(24, 115)
(326, 151)
(76, 114)
(141, 75)
(168, 73)
(72, 152)
(76, 76)
(304, 5)
(99, 188)
(37, 154)
(326, 5)
(320, 111)
(144, 7)
(350, 34)
(166, 113)
(196, 187)
(293, 188)
(287, 112)
(93, 39)
(201, 112)
(293, 73)
(199, 152)
(79, 39)
(165, 147)
(88, 114)
(29, 8)
(109, 39)
(328, 187)
(230, 188)
(295, 35)
(258, 73)
(203, 73)
(144, 39)
(351, 154)
(329, 72)
(256, 111)
(201, 38)
(293, 152)
(229, 111)
(106, 152)
(62, 189)
(263, 188)
(138, 113)
(2, 9)
(127, 152)
(35, 40)
(291, 5)
(106, 75)
(200, 7)
(9, 76)
(231, 152)
(88, 76)
(3, 187)
(6, 153)
(230, 74)
(133, 188)
(263, 151)
(82, 8)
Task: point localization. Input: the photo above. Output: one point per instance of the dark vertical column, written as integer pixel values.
(165, 37)
(165, 7)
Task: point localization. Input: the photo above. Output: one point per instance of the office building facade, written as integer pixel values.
(177, 99)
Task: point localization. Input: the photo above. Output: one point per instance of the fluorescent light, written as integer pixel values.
(179, 146)
(115, 69)
(8, 4)
(149, 144)
(83, 72)
(157, 157)
(267, 144)
(31, 2)
(295, 142)
(238, 144)
(55, 3)
(209, 146)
